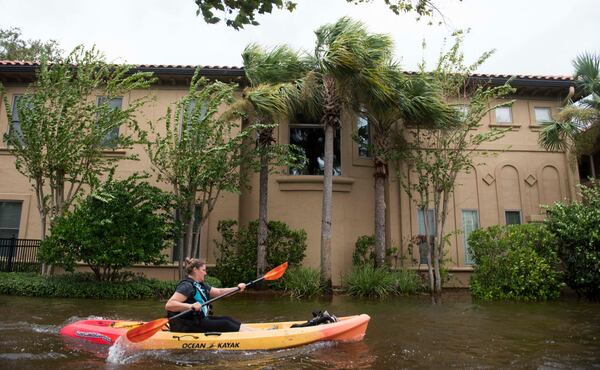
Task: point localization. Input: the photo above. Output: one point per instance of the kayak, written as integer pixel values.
(266, 336)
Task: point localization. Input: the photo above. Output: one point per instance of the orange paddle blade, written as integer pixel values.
(145, 331)
(277, 272)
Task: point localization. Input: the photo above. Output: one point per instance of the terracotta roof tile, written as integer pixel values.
(179, 66)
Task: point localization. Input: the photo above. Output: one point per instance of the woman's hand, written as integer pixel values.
(242, 286)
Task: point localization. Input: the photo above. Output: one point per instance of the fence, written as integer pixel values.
(19, 255)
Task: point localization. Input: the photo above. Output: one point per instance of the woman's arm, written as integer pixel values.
(216, 292)
(176, 303)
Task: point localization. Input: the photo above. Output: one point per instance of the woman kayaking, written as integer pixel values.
(190, 293)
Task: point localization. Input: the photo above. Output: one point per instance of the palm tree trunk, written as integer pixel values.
(380, 177)
(326, 212)
(261, 255)
(331, 119)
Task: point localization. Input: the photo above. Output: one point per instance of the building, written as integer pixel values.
(510, 187)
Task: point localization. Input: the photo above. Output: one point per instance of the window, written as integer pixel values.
(421, 221)
(542, 115)
(191, 114)
(10, 219)
(112, 137)
(503, 115)
(470, 222)
(463, 111)
(310, 138)
(512, 217)
(15, 123)
(363, 137)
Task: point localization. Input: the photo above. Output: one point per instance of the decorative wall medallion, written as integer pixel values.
(530, 180)
(488, 179)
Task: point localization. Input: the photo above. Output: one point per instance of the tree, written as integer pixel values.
(13, 47)
(413, 100)
(436, 154)
(577, 126)
(269, 99)
(62, 131)
(347, 59)
(199, 154)
(246, 10)
(121, 223)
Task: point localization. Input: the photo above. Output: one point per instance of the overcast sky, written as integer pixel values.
(530, 36)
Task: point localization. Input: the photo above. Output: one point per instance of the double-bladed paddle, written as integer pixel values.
(148, 329)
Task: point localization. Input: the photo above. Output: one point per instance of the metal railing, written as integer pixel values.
(19, 255)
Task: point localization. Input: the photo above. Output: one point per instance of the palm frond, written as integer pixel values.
(587, 73)
(557, 136)
(277, 65)
(275, 101)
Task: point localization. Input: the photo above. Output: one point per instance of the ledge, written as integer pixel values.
(313, 183)
(108, 153)
(513, 127)
(535, 218)
(423, 267)
(536, 127)
(114, 153)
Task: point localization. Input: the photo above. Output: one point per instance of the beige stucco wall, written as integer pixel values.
(518, 175)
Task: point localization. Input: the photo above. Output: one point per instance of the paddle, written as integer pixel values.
(147, 330)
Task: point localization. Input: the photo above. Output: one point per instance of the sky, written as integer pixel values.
(534, 37)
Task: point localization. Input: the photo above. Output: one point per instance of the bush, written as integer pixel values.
(300, 282)
(516, 262)
(407, 282)
(368, 281)
(364, 251)
(85, 285)
(120, 224)
(236, 261)
(576, 227)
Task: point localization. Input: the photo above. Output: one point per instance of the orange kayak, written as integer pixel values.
(265, 336)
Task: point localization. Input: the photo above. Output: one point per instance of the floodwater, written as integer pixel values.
(404, 332)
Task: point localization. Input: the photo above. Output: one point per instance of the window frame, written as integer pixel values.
(468, 261)
(540, 123)
(430, 211)
(309, 125)
(505, 123)
(520, 212)
(115, 133)
(19, 216)
(369, 154)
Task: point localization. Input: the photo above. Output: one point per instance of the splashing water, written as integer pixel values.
(119, 353)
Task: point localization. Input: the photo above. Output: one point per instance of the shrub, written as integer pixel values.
(300, 282)
(577, 229)
(407, 282)
(364, 251)
(120, 224)
(369, 281)
(516, 262)
(236, 261)
(85, 285)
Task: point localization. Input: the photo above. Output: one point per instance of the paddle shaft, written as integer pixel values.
(237, 289)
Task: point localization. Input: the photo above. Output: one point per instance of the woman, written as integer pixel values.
(190, 293)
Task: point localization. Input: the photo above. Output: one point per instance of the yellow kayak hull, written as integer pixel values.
(262, 336)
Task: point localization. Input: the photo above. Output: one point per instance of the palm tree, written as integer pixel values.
(411, 100)
(578, 124)
(347, 59)
(268, 100)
